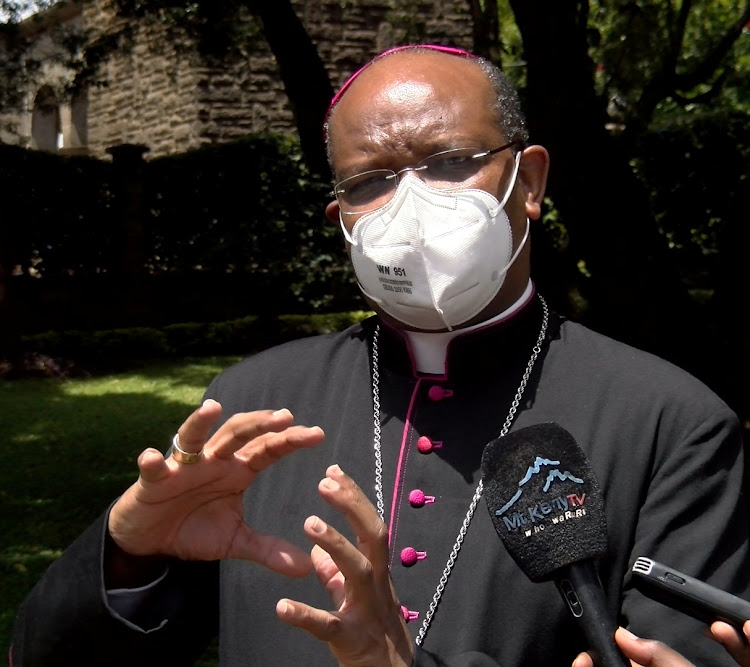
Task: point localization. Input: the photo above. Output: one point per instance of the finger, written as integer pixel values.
(195, 429)
(249, 428)
(583, 660)
(192, 434)
(329, 575)
(323, 625)
(648, 652)
(340, 491)
(152, 465)
(244, 427)
(267, 449)
(733, 641)
(272, 552)
(356, 569)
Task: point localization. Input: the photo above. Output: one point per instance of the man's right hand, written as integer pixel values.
(193, 511)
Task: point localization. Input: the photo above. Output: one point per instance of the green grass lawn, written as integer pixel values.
(69, 447)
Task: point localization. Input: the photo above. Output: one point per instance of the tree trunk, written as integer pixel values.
(486, 29)
(306, 80)
(633, 293)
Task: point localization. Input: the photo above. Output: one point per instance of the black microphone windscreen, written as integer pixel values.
(544, 500)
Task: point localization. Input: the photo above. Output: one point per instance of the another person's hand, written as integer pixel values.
(367, 625)
(193, 511)
(736, 645)
(640, 652)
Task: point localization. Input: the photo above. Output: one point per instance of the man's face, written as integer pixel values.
(411, 105)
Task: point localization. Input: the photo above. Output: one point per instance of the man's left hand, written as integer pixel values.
(367, 627)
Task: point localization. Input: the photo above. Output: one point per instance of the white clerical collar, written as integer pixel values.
(429, 348)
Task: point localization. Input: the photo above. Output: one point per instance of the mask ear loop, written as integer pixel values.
(528, 222)
(512, 184)
(347, 235)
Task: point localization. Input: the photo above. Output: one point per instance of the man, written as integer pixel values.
(435, 192)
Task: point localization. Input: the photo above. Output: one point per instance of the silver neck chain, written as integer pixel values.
(478, 493)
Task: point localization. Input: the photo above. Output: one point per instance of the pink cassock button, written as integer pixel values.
(437, 393)
(425, 445)
(409, 556)
(417, 498)
(409, 615)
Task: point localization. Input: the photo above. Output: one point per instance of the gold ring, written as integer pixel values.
(181, 455)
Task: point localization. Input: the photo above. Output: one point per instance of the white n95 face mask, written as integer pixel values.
(433, 259)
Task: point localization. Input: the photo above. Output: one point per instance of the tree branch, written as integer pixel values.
(678, 35)
(704, 98)
(711, 61)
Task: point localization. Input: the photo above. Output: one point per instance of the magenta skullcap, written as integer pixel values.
(452, 50)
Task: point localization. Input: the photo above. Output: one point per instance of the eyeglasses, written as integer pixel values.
(445, 170)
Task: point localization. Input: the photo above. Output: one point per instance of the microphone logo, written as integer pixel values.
(543, 499)
(561, 506)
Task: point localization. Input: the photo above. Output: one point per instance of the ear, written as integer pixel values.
(532, 177)
(332, 212)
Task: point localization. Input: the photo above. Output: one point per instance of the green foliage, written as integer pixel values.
(70, 449)
(222, 231)
(115, 349)
(659, 53)
(693, 167)
(247, 207)
(54, 207)
(220, 30)
(296, 326)
(21, 64)
(512, 59)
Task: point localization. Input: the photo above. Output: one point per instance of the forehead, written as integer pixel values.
(411, 101)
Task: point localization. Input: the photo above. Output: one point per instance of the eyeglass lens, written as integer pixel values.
(445, 170)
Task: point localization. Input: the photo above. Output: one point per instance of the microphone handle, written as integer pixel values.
(582, 592)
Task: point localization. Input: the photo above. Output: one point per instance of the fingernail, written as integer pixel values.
(330, 484)
(629, 634)
(208, 401)
(318, 526)
(282, 607)
(283, 411)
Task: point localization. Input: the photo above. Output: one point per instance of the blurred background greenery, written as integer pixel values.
(70, 448)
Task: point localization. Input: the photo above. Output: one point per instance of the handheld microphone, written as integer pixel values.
(548, 510)
(689, 595)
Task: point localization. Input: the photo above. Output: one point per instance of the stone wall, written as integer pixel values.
(171, 101)
(150, 91)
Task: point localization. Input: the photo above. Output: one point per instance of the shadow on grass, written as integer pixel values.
(68, 448)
